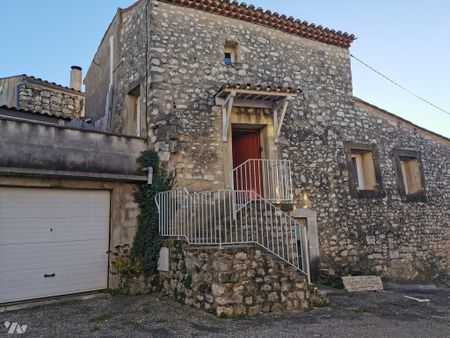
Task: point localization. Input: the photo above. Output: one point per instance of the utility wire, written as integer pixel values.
(400, 86)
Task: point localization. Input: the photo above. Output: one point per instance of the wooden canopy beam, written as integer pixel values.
(279, 112)
(226, 115)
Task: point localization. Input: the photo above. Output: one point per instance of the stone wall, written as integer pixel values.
(387, 235)
(232, 282)
(46, 99)
(183, 68)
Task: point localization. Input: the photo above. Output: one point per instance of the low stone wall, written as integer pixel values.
(49, 100)
(232, 282)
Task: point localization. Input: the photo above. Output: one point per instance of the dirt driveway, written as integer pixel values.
(387, 314)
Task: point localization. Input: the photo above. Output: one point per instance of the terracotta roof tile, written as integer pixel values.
(54, 84)
(249, 13)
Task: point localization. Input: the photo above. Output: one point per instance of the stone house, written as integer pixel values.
(35, 94)
(206, 79)
(281, 173)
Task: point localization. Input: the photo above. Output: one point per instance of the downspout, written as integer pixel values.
(109, 100)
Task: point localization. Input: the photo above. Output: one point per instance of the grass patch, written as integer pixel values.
(103, 317)
(320, 303)
(237, 316)
(128, 321)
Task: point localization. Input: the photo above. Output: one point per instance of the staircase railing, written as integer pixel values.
(212, 218)
(271, 179)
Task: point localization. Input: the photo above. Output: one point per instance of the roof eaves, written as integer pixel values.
(22, 110)
(249, 13)
(54, 84)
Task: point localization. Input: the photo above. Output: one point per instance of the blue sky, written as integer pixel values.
(407, 40)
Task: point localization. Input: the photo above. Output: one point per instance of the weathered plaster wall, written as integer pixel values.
(232, 282)
(8, 90)
(97, 78)
(40, 146)
(124, 211)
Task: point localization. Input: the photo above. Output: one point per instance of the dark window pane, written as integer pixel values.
(227, 58)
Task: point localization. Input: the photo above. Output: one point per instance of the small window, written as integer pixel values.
(364, 171)
(410, 177)
(133, 106)
(230, 52)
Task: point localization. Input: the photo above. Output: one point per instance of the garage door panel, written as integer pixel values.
(44, 257)
(74, 250)
(57, 203)
(57, 229)
(66, 278)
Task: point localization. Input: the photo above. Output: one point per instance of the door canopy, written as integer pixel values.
(236, 95)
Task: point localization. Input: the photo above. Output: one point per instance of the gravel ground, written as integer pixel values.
(387, 314)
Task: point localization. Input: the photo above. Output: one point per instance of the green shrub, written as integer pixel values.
(147, 240)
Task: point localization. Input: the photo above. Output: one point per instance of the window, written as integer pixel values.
(364, 171)
(230, 52)
(410, 177)
(133, 107)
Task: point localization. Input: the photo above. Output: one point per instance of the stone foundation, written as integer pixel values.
(233, 282)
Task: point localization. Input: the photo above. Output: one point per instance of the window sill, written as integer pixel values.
(367, 194)
(233, 64)
(419, 196)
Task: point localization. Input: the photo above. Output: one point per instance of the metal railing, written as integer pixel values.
(231, 217)
(271, 179)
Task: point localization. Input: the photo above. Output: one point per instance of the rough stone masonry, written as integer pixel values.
(176, 54)
(233, 282)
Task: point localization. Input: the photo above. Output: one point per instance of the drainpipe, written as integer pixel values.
(109, 98)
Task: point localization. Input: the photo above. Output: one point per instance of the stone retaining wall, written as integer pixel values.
(233, 282)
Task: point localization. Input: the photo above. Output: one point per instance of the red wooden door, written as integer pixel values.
(247, 146)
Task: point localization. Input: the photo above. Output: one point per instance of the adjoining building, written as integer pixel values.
(35, 94)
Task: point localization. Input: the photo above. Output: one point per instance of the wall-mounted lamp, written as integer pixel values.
(305, 200)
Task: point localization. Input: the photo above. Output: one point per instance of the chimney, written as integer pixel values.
(75, 78)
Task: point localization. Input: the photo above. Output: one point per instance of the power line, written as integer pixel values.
(400, 86)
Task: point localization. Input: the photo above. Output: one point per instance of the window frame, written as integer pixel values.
(353, 148)
(133, 103)
(232, 48)
(399, 155)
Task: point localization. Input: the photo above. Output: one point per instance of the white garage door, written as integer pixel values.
(52, 242)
